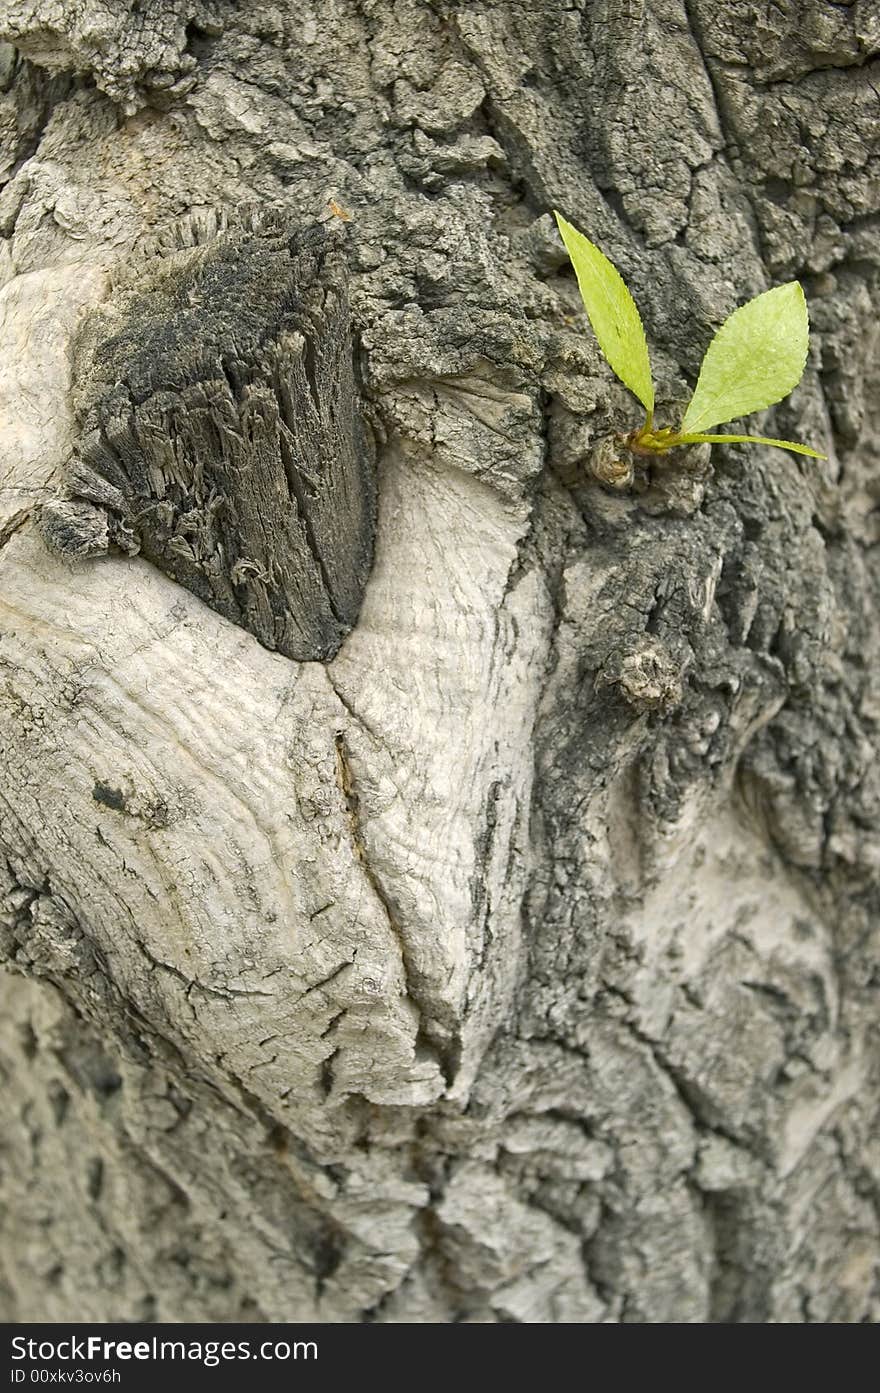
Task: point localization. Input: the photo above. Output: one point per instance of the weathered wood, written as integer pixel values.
(222, 434)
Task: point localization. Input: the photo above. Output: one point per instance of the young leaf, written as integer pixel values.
(697, 438)
(755, 359)
(612, 312)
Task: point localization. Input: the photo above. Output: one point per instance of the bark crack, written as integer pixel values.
(12, 525)
(193, 984)
(358, 718)
(414, 986)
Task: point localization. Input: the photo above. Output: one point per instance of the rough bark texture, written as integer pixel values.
(221, 434)
(521, 962)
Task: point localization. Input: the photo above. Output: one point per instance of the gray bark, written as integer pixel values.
(519, 963)
(221, 433)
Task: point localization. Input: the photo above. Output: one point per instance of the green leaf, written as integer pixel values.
(755, 359)
(690, 438)
(612, 312)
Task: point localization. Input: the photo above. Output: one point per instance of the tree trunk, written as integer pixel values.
(519, 961)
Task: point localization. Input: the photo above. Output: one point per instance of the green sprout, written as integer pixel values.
(756, 358)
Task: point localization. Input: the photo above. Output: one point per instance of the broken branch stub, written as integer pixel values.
(222, 435)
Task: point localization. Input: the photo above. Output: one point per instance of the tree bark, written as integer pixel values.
(519, 962)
